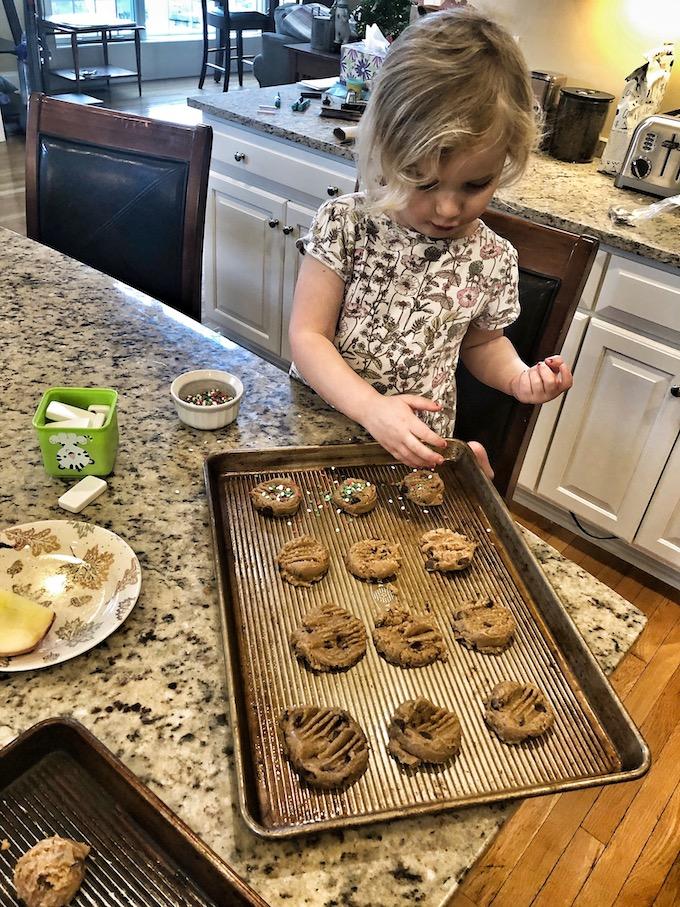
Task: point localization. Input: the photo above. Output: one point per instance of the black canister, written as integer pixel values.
(580, 117)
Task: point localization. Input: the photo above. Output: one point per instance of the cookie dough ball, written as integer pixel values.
(517, 711)
(276, 497)
(303, 561)
(374, 559)
(326, 747)
(420, 731)
(330, 639)
(484, 626)
(50, 874)
(446, 551)
(407, 640)
(355, 496)
(423, 487)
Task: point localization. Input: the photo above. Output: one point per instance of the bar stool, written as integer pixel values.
(219, 18)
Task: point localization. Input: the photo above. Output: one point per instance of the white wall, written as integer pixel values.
(596, 43)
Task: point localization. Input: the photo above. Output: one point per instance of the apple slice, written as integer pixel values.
(23, 623)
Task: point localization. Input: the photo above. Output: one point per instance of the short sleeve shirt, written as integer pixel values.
(410, 299)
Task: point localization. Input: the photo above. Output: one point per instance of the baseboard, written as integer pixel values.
(622, 550)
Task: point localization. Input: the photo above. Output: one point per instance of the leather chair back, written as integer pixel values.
(553, 268)
(123, 194)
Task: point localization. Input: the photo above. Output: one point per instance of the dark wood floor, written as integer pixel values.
(617, 846)
(163, 100)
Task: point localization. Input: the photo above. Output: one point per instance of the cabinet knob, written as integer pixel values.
(332, 190)
(273, 223)
(239, 156)
(287, 230)
(675, 390)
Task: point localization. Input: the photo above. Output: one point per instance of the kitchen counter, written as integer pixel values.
(154, 692)
(571, 196)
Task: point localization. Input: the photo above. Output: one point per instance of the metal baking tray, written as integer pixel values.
(58, 779)
(593, 741)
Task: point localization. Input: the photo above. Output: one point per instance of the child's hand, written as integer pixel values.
(543, 382)
(394, 424)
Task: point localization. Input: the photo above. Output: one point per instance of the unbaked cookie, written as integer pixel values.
(484, 626)
(373, 559)
(51, 872)
(407, 640)
(303, 561)
(329, 639)
(326, 747)
(516, 711)
(276, 497)
(355, 496)
(423, 487)
(420, 731)
(446, 551)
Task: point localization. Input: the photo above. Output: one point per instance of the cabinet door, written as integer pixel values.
(540, 439)
(616, 429)
(244, 261)
(659, 532)
(298, 219)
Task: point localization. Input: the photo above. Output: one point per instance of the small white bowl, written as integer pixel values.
(206, 417)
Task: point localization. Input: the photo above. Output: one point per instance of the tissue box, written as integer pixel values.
(358, 63)
(76, 452)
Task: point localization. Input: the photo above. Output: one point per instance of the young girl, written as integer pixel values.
(402, 279)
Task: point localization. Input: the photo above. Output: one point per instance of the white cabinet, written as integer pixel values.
(659, 532)
(616, 429)
(243, 261)
(545, 424)
(262, 196)
(298, 221)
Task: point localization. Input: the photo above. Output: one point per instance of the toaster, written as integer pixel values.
(652, 162)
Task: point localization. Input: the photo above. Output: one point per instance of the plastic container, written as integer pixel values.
(578, 122)
(77, 452)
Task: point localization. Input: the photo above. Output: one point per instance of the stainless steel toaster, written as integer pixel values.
(652, 162)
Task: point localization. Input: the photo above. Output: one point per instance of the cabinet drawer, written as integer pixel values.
(642, 291)
(296, 169)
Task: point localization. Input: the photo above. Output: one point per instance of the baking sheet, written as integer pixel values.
(593, 740)
(57, 779)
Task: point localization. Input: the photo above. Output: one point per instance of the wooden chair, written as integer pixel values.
(554, 266)
(220, 18)
(122, 193)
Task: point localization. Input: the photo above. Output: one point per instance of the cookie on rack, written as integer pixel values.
(446, 551)
(408, 640)
(423, 487)
(516, 711)
(276, 497)
(420, 731)
(374, 560)
(329, 639)
(356, 496)
(326, 746)
(484, 625)
(303, 560)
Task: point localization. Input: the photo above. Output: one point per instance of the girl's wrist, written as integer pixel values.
(513, 384)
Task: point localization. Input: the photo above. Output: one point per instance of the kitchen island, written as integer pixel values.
(154, 692)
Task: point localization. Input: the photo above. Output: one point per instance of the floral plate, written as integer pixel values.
(88, 575)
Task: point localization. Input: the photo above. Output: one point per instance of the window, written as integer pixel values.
(105, 9)
(161, 18)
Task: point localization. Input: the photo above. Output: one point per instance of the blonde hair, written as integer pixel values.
(452, 81)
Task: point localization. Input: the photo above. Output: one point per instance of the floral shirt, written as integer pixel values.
(409, 299)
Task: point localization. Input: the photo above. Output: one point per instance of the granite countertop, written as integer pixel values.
(571, 196)
(154, 692)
